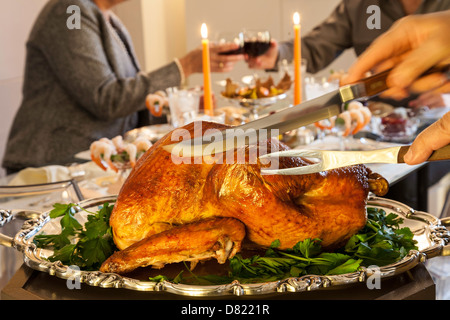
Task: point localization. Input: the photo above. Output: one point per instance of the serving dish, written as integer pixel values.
(431, 234)
(426, 114)
(153, 133)
(261, 102)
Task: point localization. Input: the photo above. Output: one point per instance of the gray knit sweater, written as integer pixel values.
(80, 85)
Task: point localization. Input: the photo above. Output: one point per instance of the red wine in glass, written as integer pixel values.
(252, 48)
(230, 37)
(239, 50)
(256, 48)
(256, 42)
(251, 42)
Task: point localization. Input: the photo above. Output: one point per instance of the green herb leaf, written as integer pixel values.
(94, 243)
(95, 251)
(56, 241)
(308, 247)
(60, 210)
(380, 242)
(64, 254)
(349, 266)
(158, 278)
(69, 222)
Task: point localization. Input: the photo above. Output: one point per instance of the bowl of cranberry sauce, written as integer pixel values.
(399, 126)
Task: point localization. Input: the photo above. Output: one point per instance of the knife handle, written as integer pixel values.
(377, 83)
(437, 155)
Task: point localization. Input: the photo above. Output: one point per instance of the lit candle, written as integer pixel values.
(207, 95)
(297, 61)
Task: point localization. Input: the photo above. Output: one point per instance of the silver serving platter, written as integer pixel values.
(431, 234)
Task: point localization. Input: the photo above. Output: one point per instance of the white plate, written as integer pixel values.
(434, 114)
(350, 144)
(153, 133)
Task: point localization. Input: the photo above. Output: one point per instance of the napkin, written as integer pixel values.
(54, 173)
(41, 175)
(92, 181)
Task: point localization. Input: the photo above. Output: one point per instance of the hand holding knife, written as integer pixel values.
(323, 107)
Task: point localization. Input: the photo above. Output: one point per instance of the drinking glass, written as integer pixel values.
(316, 86)
(230, 37)
(183, 104)
(218, 116)
(256, 42)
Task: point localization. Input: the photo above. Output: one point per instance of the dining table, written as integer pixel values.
(22, 282)
(18, 281)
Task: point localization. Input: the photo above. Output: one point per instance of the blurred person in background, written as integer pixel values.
(348, 27)
(84, 84)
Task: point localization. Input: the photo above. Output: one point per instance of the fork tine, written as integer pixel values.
(294, 153)
(312, 168)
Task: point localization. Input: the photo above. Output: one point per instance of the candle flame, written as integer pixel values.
(296, 18)
(204, 31)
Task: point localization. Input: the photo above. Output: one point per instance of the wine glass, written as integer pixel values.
(230, 37)
(256, 42)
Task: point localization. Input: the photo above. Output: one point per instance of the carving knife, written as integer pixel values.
(323, 107)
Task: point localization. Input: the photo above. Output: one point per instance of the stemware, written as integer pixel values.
(251, 42)
(230, 37)
(256, 42)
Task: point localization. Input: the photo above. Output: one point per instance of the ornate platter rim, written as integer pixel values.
(435, 233)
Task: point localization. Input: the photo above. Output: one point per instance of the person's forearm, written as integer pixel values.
(119, 97)
(285, 51)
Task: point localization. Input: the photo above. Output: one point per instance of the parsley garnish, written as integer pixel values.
(382, 241)
(94, 242)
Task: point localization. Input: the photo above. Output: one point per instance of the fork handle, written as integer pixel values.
(437, 155)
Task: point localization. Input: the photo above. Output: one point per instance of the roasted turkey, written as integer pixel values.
(168, 212)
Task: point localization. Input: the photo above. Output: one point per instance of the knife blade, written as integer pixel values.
(273, 125)
(285, 120)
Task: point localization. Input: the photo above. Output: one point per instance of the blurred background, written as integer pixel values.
(161, 30)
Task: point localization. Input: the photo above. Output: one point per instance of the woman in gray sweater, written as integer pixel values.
(82, 84)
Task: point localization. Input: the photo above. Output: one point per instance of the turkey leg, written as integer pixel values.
(216, 237)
